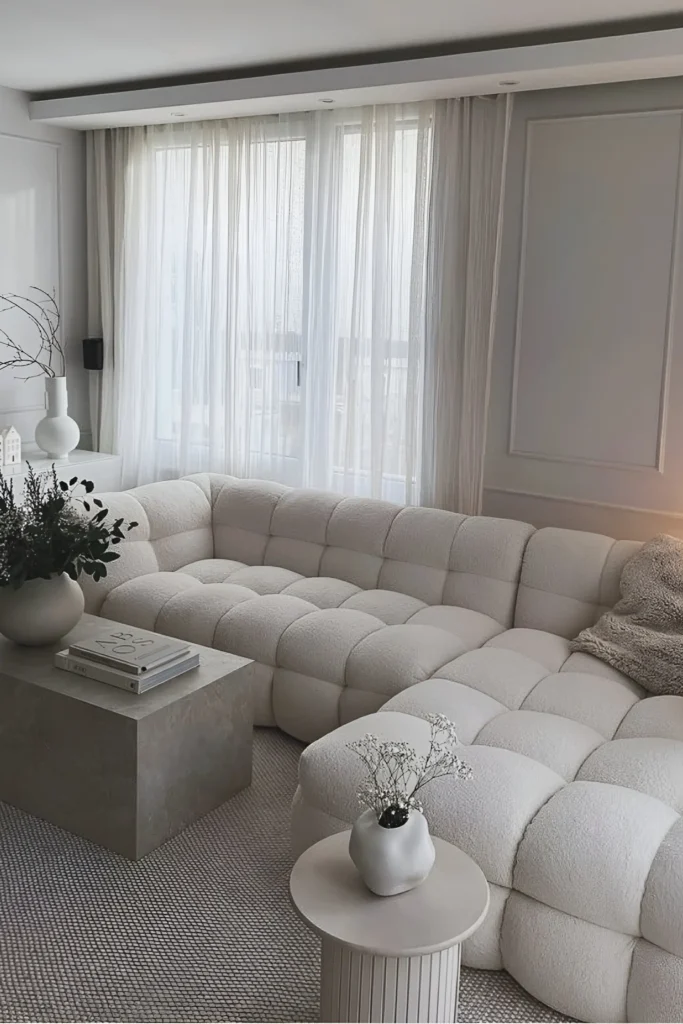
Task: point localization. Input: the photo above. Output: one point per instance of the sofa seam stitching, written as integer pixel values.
(633, 954)
(568, 597)
(576, 778)
(359, 590)
(564, 661)
(326, 543)
(268, 534)
(623, 717)
(510, 890)
(536, 684)
(395, 516)
(647, 879)
(515, 859)
(227, 612)
(479, 575)
(169, 599)
(357, 643)
(527, 542)
(450, 552)
(505, 711)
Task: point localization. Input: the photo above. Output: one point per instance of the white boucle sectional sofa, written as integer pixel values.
(358, 608)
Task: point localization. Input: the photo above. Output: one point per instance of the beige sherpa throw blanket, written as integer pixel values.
(643, 634)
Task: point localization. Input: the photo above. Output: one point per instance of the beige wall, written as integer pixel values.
(42, 242)
(586, 421)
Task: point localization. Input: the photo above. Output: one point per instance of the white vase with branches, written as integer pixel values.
(390, 842)
(57, 434)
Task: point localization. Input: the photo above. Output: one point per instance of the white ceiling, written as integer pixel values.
(60, 44)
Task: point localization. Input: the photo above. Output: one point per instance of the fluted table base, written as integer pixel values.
(359, 986)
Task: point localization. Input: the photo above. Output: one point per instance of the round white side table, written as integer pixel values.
(393, 958)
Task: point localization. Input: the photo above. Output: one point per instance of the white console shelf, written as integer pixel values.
(104, 470)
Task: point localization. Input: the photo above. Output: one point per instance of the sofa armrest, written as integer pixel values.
(174, 528)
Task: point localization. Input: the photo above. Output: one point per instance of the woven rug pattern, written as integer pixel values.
(200, 930)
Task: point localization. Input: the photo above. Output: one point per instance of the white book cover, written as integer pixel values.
(131, 650)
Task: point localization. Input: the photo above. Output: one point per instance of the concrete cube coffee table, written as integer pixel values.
(125, 771)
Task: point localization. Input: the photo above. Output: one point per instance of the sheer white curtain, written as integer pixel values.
(261, 289)
(465, 227)
(106, 160)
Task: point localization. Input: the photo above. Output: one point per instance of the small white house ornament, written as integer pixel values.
(10, 446)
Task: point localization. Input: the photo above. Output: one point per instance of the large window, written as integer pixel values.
(274, 297)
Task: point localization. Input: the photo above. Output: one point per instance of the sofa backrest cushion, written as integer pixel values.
(174, 528)
(569, 579)
(550, 579)
(436, 556)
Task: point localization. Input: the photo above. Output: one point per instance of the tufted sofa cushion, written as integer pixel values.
(569, 579)
(174, 528)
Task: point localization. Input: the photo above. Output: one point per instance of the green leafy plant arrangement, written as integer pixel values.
(49, 534)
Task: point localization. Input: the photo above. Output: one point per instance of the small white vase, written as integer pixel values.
(57, 434)
(392, 860)
(40, 611)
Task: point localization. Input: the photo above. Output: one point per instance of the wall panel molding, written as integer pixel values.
(621, 521)
(31, 219)
(674, 277)
(514, 447)
(564, 499)
(50, 160)
(599, 171)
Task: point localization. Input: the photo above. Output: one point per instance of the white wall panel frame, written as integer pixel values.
(63, 205)
(531, 125)
(518, 479)
(23, 402)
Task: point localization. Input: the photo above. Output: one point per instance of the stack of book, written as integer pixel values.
(134, 660)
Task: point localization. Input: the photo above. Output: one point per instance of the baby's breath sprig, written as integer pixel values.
(396, 772)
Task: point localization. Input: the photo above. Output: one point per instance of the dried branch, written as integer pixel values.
(44, 315)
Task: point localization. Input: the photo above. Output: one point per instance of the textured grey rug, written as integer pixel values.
(201, 930)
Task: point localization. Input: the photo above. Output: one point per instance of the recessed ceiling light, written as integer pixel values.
(509, 81)
(327, 100)
(183, 115)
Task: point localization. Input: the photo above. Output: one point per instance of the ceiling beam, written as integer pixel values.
(571, 62)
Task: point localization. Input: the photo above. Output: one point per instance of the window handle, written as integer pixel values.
(298, 373)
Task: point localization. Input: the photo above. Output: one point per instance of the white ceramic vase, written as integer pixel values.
(40, 611)
(392, 860)
(57, 434)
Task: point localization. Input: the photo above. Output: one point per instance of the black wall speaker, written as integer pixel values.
(93, 353)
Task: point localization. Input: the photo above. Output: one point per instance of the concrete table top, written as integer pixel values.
(35, 665)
